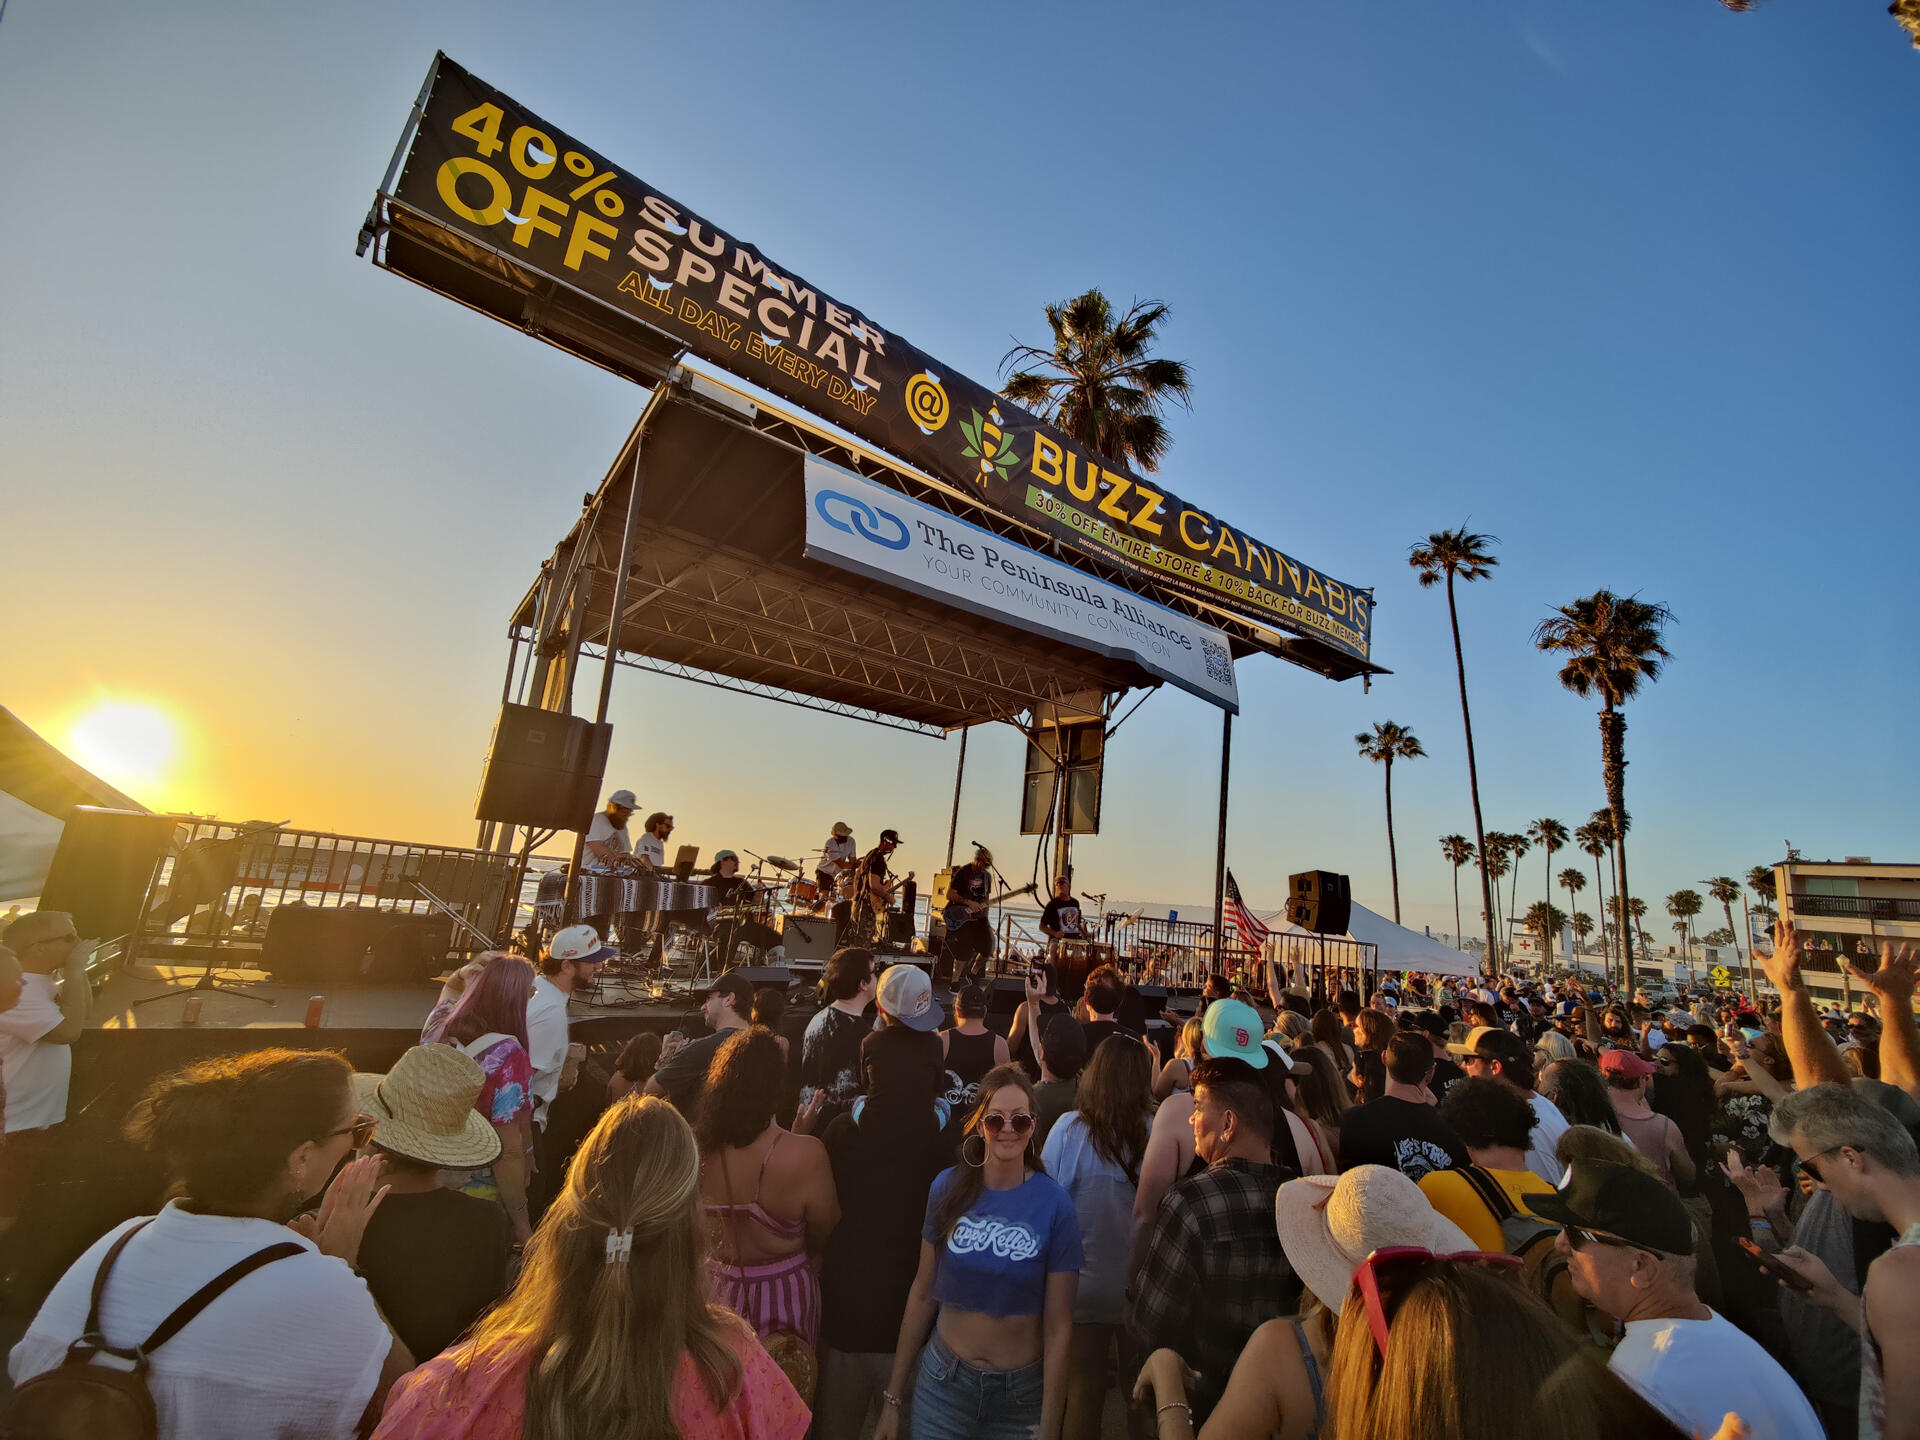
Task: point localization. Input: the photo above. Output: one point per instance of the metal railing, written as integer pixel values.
(1177, 952)
(220, 883)
(1856, 907)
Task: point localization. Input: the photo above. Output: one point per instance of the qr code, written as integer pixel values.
(1219, 662)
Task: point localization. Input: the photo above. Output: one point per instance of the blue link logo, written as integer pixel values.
(865, 519)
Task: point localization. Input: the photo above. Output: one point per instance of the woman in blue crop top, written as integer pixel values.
(1000, 1261)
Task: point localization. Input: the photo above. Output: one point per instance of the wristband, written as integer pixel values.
(1175, 1405)
(890, 1398)
(1759, 1220)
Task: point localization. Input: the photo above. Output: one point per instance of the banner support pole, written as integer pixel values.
(1220, 845)
(959, 774)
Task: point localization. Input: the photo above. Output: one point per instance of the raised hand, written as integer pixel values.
(1894, 981)
(1759, 1186)
(1783, 965)
(349, 1204)
(809, 1113)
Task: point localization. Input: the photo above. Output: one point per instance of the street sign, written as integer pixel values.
(1722, 978)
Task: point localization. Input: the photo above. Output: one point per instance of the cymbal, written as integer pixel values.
(780, 862)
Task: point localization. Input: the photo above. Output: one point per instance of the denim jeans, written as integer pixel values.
(954, 1401)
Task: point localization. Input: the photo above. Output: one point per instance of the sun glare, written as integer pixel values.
(128, 743)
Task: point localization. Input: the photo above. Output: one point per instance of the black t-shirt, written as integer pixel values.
(830, 1060)
(434, 1261)
(872, 1256)
(1098, 1030)
(685, 1075)
(1402, 1133)
(1446, 1074)
(907, 1057)
(1062, 915)
(968, 882)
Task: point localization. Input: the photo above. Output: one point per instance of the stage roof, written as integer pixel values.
(721, 592)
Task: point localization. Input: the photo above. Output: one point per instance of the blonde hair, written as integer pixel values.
(606, 1336)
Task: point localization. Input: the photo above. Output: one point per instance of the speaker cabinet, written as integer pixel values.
(349, 945)
(543, 769)
(102, 866)
(1320, 901)
(808, 938)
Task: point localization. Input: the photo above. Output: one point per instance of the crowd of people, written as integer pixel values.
(1424, 1208)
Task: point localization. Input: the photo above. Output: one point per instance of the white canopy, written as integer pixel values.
(1398, 947)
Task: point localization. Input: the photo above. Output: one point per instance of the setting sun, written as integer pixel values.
(129, 743)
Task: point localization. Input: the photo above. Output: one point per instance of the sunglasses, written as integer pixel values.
(1580, 1237)
(996, 1123)
(1382, 1276)
(1811, 1165)
(361, 1130)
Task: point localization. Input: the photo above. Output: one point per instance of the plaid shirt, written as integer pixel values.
(1214, 1273)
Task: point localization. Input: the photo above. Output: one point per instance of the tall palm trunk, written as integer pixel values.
(1600, 891)
(1546, 926)
(1393, 858)
(1458, 938)
(1473, 777)
(1746, 949)
(1613, 762)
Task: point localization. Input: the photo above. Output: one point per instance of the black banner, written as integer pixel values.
(489, 168)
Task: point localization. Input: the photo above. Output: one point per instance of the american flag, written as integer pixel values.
(1252, 932)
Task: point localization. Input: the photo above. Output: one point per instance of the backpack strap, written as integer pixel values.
(214, 1289)
(100, 1278)
(1489, 1191)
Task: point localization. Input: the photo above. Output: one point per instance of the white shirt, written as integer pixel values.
(293, 1351)
(547, 1032)
(1540, 1157)
(652, 847)
(36, 1072)
(838, 855)
(604, 832)
(1695, 1371)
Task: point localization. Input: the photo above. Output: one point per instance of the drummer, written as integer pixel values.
(1060, 921)
(730, 918)
(836, 861)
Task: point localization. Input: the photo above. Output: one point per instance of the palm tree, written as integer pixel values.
(1582, 923)
(1726, 890)
(1498, 863)
(1459, 851)
(1389, 742)
(1760, 881)
(1592, 838)
(1637, 909)
(1097, 381)
(1573, 882)
(1464, 556)
(1612, 643)
(1549, 835)
(1683, 905)
(1543, 918)
(1517, 847)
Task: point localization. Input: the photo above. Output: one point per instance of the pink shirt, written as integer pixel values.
(434, 1402)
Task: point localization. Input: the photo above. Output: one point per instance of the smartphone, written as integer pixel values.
(1036, 972)
(1779, 1274)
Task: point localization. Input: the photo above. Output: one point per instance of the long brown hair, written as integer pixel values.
(1372, 1030)
(1316, 1081)
(1456, 1325)
(605, 1335)
(972, 1179)
(1115, 1094)
(737, 1102)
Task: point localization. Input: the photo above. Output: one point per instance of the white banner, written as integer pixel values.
(880, 533)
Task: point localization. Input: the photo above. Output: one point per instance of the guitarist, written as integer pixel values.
(970, 939)
(875, 892)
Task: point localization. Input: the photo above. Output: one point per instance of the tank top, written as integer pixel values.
(1649, 1134)
(969, 1058)
(1873, 1388)
(1020, 1047)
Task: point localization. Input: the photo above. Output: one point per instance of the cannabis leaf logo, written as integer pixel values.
(988, 444)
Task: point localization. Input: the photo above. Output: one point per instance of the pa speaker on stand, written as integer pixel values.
(1320, 901)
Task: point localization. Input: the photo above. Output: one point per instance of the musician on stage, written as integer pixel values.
(729, 918)
(876, 887)
(836, 861)
(607, 840)
(970, 939)
(651, 852)
(1061, 919)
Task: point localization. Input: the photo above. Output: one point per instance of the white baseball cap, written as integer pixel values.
(625, 799)
(581, 943)
(906, 995)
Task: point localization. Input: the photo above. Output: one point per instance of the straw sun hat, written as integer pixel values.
(1328, 1226)
(424, 1109)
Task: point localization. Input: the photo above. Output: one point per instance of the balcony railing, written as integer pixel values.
(1856, 907)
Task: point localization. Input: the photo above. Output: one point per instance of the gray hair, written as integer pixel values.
(1552, 1046)
(1826, 1117)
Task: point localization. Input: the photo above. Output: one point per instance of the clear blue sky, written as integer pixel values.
(1629, 286)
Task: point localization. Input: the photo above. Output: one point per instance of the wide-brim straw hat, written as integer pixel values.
(423, 1109)
(1328, 1225)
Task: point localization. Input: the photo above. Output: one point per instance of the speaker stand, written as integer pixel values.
(242, 988)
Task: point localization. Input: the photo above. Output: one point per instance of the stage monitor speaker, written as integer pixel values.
(1320, 901)
(1153, 998)
(102, 867)
(308, 943)
(408, 949)
(778, 977)
(900, 929)
(1006, 996)
(808, 937)
(543, 769)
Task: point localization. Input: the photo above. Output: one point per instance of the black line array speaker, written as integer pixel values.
(1320, 901)
(543, 769)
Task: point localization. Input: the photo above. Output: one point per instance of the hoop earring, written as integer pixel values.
(981, 1162)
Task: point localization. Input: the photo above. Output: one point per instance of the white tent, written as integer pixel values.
(39, 789)
(1398, 947)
